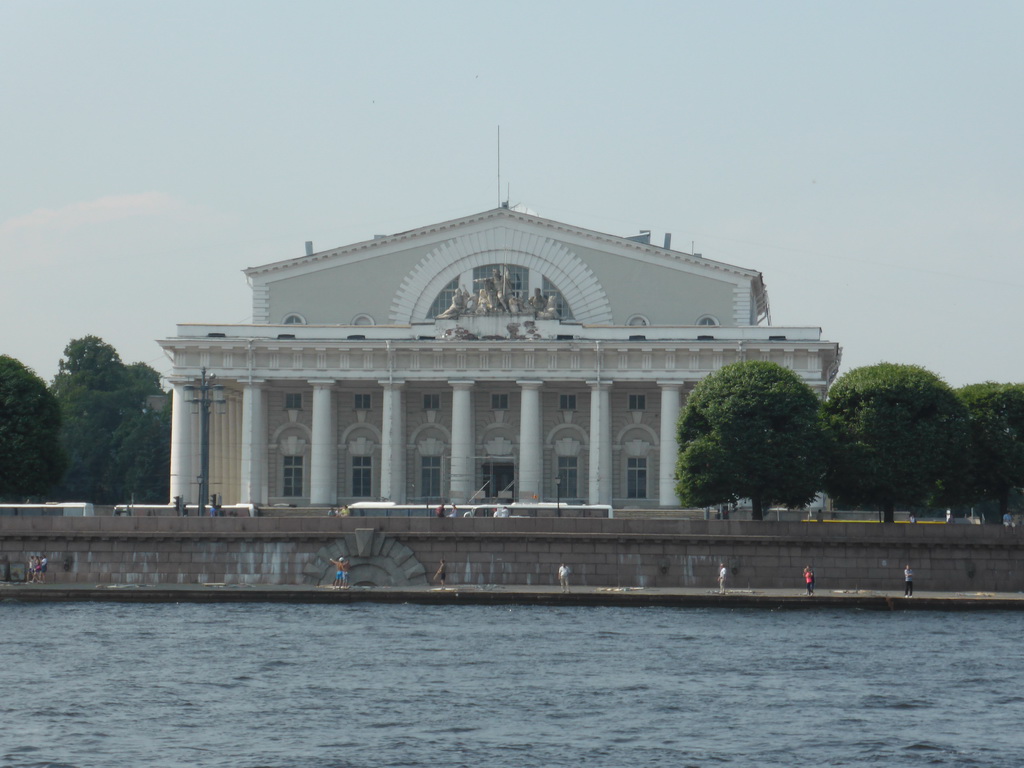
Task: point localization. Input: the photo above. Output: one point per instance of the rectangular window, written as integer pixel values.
(293, 401)
(430, 476)
(499, 402)
(568, 474)
(432, 402)
(363, 402)
(292, 480)
(362, 476)
(567, 402)
(636, 479)
(638, 402)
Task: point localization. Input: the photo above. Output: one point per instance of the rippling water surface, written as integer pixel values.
(354, 686)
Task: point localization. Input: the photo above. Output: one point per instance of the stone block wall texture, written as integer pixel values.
(602, 553)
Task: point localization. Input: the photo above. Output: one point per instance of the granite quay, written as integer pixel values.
(610, 559)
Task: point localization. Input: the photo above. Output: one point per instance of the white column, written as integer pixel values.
(182, 474)
(531, 471)
(600, 443)
(254, 444)
(392, 452)
(462, 441)
(322, 465)
(669, 445)
(218, 415)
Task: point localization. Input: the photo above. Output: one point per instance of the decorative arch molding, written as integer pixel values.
(354, 429)
(497, 431)
(429, 431)
(293, 426)
(635, 429)
(377, 560)
(568, 430)
(577, 283)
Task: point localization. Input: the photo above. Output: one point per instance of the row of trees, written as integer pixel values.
(887, 436)
(97, 433)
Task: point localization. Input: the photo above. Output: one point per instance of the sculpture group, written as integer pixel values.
(496, 294)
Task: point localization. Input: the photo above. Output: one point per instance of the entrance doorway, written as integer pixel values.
(499, 480)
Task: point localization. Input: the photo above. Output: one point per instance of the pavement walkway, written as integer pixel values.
(514, 594)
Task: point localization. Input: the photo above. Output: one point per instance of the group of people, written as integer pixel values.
(37, 565)
(441, 574)
(908, 579)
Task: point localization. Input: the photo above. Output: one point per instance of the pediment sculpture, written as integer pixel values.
(496, 295)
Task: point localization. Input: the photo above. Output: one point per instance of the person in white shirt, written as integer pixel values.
(721, 577)
(563, 576)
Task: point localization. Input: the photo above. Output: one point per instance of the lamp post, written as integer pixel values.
(558, 496)
(202, 396)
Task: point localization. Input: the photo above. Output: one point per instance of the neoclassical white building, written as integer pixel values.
(500, 355)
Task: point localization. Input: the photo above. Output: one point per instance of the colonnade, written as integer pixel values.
(246, 426)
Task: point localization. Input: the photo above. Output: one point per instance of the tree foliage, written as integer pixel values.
(31, 457)
(897, 436)
(118, 445)
(750, 430)
(996, 455)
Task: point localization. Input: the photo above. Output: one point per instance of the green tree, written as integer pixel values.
(31, 457)
(107, 423)
(750, 430)
(996, 454)
(897, 436)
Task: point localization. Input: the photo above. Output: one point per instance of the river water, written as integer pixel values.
(363, 685)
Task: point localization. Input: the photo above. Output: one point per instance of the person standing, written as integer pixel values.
(809, 578)
(563, 576)
(341, 572)
(721, 577)
(44, 561)
(442, 572)
(908, 581)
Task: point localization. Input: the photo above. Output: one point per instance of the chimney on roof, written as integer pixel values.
(668, 241)
(309, 247)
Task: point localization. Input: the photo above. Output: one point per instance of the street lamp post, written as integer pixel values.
(558, 496)
(202, 396)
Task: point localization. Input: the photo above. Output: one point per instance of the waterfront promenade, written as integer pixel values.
(770, 599)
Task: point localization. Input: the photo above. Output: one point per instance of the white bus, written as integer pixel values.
(164, 510)
(515, 509)
(541, 509)
(52, 509)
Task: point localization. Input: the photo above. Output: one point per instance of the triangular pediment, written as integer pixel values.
(409, 271)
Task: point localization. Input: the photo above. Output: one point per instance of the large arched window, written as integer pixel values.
(294, 318)
(443, 300)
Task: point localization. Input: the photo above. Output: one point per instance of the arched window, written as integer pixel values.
(363, 319)
(637, 320)
(293, 318)
(707, 320)
(443, 300)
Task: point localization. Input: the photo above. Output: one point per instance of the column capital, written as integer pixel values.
(321, 383)
(391, 384)
(671, 384)
(530, 384)
(599, 385)
(462, 384)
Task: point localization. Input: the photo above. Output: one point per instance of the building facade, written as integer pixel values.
(496, 356)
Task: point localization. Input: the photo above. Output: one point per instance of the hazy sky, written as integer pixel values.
(865, 156)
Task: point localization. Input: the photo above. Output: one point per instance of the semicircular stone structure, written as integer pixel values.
(377, 560)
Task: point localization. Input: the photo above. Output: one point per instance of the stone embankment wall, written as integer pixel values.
(602, 553)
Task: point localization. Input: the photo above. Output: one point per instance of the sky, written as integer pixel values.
(866, 157)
